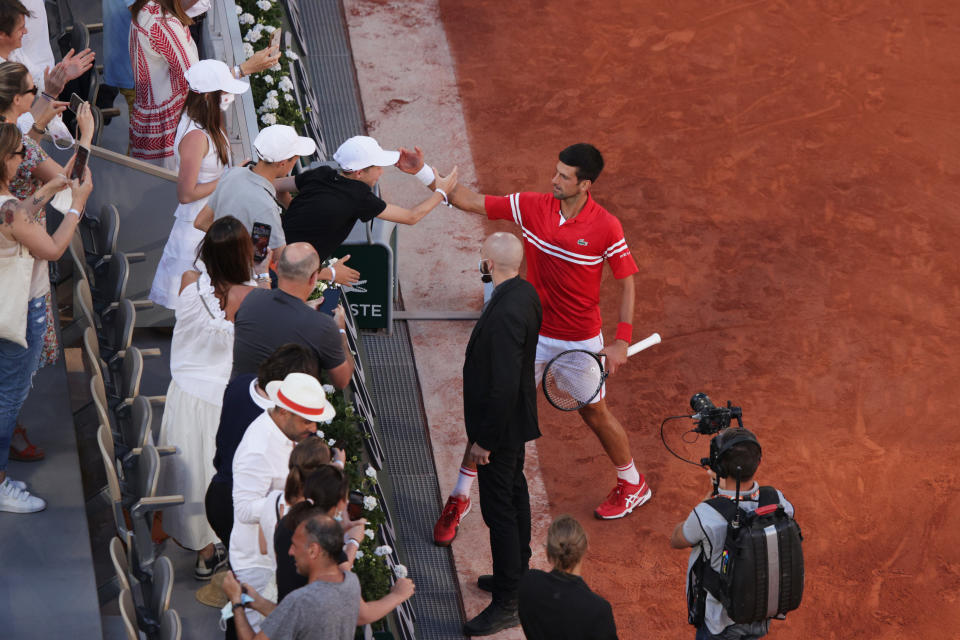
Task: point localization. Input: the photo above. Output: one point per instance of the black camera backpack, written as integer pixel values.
(761, 569)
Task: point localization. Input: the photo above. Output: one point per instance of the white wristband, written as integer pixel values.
(333, 274)
(75, 212)
(444, 194)
(426, 175)
(352, 541)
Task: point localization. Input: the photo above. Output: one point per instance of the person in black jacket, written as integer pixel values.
(559, 605)
(500, 414)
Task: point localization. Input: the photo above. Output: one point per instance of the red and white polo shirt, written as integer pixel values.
(565, 258)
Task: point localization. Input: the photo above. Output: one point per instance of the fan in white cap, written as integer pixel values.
(360, 152)
(213, 75)
(303, 395)
(278, 142)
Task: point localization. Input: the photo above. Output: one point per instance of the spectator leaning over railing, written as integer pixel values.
(260, 466)
(49, 81)
(243, 401)
(325, 491)
(24, 246)
(17, 91)
(202, 153)
(268, 319)
(559, 605)
(330, 607)
(201, 355)
(161, 51)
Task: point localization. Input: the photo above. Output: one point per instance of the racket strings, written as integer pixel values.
(572, 379)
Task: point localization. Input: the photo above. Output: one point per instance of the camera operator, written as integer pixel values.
(705, 528)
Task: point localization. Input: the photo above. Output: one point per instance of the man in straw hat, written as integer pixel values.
(260, 466)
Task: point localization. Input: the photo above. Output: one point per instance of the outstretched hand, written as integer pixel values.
(346, 275)
(447, 182)
(410, 161)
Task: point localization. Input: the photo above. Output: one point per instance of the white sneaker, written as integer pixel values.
(15, 499)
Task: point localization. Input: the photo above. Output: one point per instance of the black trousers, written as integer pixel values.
(219, 506)
(505, 505)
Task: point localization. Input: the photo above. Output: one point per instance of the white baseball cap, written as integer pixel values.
(302, 394)
(205, 76)
(279, 142)
(360, 152)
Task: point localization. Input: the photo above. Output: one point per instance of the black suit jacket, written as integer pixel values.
(499, 391)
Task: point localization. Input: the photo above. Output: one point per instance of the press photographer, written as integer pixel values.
(727, 574)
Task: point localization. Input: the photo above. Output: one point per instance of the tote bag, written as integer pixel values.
(16, 272)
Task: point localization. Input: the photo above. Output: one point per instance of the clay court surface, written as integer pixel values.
(787, 176)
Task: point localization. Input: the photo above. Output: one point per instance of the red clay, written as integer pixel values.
(787, 175)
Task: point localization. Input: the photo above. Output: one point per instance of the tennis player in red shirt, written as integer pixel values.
(568, 237)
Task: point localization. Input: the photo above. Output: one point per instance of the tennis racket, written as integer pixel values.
(573, 378)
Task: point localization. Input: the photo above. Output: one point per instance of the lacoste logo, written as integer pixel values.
(358, 287)
(582, 242)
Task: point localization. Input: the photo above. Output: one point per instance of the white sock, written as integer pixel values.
(629, 473)
(464, 482)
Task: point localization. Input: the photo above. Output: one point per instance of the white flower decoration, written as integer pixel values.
(288, 97)
(332, 442)
(319, 433)
(268, 118)
(246, 18)
(371, 472)
(329, 389)
(285, 84)
(369, 503)
(239, 10)
(269, 28)
(264, 4)
(276, 67)
(290, 54)
(383, 550)
(253, 35)
(268, 78)
(271, 103)
(370, 533)
(400, 571)
(247, 49)
(359, 554)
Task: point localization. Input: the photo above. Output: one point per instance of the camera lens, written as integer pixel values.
(700, 403)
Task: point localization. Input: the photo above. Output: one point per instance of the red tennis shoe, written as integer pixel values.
(454, 511)
(624, 498)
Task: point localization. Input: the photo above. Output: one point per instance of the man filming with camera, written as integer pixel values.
(734, 457)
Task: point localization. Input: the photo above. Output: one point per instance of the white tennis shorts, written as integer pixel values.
(549, 348)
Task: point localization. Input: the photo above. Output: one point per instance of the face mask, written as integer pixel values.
(485, 275)
(226, 99)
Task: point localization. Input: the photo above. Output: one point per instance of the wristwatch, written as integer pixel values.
(262, 276)
(239, 605)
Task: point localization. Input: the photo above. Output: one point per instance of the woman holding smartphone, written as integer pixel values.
(202, 153)
(17, 89)
(19, 231)
(201, 358)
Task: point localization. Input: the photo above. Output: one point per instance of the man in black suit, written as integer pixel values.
(500, 413)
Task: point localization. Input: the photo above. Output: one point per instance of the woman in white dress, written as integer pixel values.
(202, 154)
(201, 357)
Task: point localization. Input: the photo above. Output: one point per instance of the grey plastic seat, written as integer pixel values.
(121, 564)
(161, 588)
(129, 614)
(170, 626)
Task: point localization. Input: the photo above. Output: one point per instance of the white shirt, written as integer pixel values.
(259, 467)
(36, 44)
(56, 127)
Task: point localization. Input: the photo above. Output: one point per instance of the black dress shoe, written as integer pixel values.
(494, 618)
(485, 582)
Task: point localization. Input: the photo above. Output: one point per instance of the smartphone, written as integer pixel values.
(275, 38)
(355, 505)
(261, 241)
(75, 103)
(80, 163)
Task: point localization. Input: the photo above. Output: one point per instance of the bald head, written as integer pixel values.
(298, 262)
(505, 251)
